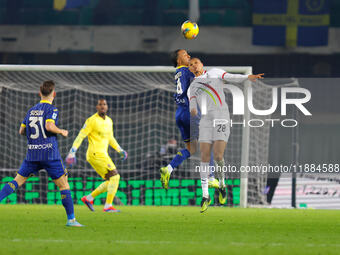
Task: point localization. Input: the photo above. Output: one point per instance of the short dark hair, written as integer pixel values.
(174, 56)
(101, 99)
(46, 88)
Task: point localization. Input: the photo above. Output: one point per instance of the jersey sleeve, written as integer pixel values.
(113, 142)
(87, 127)
(24, 122)
(85, 130)
(52, 116)
(223, 75)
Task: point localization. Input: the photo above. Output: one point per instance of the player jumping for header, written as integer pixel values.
(187, 126)
(206, 91)
(99, 129)
(40, 127)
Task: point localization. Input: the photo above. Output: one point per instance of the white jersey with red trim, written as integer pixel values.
(206, 91)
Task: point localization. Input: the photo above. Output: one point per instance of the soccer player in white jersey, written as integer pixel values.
(206, 95)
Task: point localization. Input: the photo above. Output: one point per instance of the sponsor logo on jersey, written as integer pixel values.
(39, 146)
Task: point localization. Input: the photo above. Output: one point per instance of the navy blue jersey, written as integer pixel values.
(183, 77)
(41, 144)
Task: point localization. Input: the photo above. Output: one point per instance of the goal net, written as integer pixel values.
(142, 108)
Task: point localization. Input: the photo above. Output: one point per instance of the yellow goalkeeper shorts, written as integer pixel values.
(101, 163)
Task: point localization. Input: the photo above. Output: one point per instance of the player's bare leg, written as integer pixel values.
(191, 146)
(204, 173)
(219, 148)
(62, 183)
(20, 179)
(67, 201)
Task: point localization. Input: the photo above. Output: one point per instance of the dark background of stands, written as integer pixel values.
(160, 13)
(134, 12)
(125, 12)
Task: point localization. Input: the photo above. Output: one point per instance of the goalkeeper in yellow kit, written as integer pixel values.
(99, 130)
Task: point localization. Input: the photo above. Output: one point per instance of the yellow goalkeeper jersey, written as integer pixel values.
(100, 135)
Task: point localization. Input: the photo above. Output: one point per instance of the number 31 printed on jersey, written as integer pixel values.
(33, 124)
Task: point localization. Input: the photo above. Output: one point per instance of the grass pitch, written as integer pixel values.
(40, 229)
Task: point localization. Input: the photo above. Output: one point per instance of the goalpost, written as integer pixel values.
(142, 108)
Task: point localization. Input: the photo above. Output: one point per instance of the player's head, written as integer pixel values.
(180, 57)
(102, 106)
(47, 90)
(196, 66)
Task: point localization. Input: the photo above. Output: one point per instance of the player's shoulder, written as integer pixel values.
(93, 117)
(183, 71)
(52, 108)
(47, 107)
(195, 82)
(215, 72)
(109, 119)
(35, 108)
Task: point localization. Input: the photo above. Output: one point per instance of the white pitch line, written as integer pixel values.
(90, 241)
(166, 242)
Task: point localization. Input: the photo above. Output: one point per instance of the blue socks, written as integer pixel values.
(179, 158)
(66, 200)
(66, 197)
(8, 189)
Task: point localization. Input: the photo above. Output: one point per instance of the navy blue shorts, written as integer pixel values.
(54, 168)
(188, 126)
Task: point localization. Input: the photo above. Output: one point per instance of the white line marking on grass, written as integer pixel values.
(91, 241)
(167, 242)
(284, 244)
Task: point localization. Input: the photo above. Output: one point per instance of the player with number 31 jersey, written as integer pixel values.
(41, 144)
(40, 128)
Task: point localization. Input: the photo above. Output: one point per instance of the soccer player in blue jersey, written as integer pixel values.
(187, 126)
(40, 128)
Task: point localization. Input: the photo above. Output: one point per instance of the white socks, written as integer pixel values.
(219, 172)
(107, 206)
(204, 173)
(170, 169)
(89, 198)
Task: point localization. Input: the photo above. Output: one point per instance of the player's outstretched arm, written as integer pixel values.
(114, 144)
(71, 156)
(254, 77)
(229, 77)
(235, 77)
(51, 127)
